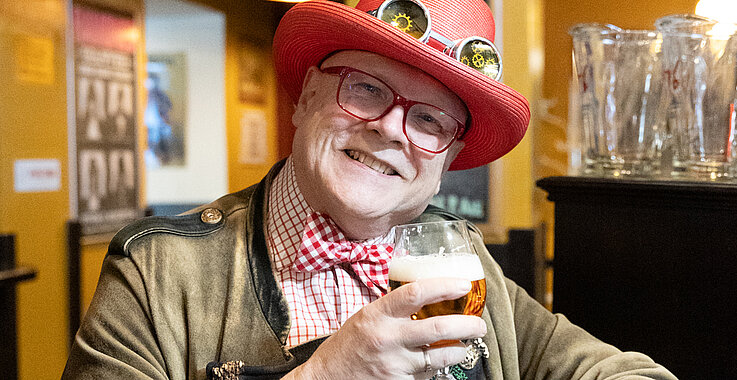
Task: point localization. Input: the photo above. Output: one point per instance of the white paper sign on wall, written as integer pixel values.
(36, 175)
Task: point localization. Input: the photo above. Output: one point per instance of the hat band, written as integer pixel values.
(413, 18)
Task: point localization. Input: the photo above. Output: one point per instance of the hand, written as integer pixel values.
(382, 341)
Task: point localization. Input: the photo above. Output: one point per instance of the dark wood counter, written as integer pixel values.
(650, 266)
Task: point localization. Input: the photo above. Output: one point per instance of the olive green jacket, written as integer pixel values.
(177, 293)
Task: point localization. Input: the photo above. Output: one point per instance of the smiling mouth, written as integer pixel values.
(370, 162)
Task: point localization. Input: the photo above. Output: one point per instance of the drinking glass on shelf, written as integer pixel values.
(435, 250)
(622, 99)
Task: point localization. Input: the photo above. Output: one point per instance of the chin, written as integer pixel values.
(382, 207)
(368, 207)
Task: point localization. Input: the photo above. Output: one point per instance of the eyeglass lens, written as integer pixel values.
(368, 98)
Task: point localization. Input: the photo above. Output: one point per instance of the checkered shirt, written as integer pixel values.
(315, 265)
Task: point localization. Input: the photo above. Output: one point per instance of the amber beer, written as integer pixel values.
(406, 269)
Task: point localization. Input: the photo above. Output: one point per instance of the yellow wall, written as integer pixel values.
(33, 125)
(242, 175)
(90, 263)
(521, 36)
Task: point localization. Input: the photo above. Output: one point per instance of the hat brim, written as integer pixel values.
(312, 30)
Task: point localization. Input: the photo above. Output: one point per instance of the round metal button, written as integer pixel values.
(211, 216)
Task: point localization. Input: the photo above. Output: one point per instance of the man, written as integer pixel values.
(288, 277)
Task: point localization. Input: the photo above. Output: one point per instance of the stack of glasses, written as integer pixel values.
(659, 103)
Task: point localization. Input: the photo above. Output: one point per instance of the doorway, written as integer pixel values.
(186, 156)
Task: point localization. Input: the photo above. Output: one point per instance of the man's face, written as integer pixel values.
(366, 175)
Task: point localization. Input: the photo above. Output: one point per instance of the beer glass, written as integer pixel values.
(435, 250)
(700, 74)
(622, 99)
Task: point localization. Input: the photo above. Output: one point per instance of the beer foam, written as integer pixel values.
(412, 268)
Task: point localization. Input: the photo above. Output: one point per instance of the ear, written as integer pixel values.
(309, 89)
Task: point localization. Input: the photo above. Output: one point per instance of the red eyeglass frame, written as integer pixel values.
(398, 99)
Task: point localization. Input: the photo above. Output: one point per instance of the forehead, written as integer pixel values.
(408, 81)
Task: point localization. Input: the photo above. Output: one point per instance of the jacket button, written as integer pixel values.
(211, 216)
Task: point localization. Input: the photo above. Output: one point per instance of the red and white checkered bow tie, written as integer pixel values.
(324, 246)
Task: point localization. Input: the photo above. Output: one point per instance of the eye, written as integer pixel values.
(427, 123)
(429, 119)
(366, 89)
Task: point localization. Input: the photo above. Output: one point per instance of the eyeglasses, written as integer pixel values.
(368, 98)
(411, 17)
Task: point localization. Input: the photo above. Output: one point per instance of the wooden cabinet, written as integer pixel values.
(650, 266)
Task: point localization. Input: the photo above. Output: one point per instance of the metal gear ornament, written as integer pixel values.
(402, 18)
(478, 60)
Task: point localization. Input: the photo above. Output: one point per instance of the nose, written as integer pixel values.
(390, 127)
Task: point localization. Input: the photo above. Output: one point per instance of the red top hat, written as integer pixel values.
(310, 31)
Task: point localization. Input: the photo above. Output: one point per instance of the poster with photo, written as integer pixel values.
(165, 115)
(105, 85)
(253, 71)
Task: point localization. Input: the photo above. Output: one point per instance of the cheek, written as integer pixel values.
(428, 177)
(429, 166)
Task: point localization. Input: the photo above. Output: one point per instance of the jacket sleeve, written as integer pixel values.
(551, 347)
(116, 339)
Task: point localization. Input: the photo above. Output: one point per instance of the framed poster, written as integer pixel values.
(254, 63)
(107, 184)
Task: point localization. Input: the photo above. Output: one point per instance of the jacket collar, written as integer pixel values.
(273, 304)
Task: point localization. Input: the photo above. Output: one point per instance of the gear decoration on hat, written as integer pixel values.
(465, 61)
(400, 19)
(478, 60)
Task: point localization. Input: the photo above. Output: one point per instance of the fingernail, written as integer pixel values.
(465, 285)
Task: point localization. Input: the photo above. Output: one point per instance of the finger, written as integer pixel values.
(434, 358)
(441, 328)
(408, 299)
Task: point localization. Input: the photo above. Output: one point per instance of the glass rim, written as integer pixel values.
(438, 222)
(622, 34)
(684, 18)
(585, 27)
